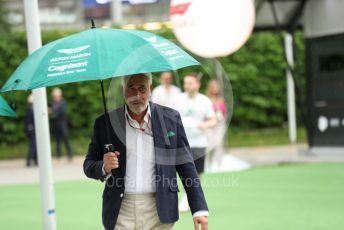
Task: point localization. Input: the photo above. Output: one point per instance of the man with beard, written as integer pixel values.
(149, 148)
(198, 115)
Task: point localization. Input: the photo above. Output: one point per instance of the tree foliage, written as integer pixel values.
(256, 72)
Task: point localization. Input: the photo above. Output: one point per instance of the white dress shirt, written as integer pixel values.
(140, 166)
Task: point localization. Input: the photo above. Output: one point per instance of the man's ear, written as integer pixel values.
(151, 90)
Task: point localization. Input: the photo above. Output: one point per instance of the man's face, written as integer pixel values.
(166, 78)
(191, 85)
(137, 93)
(214, 88)
(57, 97)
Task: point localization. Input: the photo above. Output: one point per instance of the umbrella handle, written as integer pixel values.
(93, 25)
(110, 148)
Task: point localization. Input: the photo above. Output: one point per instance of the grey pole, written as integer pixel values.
(288, 39)
(41, 122)
(116, 12)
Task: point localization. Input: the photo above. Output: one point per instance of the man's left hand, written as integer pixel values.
(203, 220)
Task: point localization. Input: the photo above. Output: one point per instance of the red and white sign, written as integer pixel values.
(179, 8)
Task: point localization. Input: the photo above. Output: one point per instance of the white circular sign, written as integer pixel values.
(212, 28)
(322, 123)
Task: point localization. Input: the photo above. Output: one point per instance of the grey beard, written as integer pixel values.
(138, 109)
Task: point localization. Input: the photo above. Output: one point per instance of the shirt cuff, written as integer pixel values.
(106, 176)
(200, 213)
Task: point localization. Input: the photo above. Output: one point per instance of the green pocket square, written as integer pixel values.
(170, 134)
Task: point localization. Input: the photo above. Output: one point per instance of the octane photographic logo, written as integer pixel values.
(74, 60)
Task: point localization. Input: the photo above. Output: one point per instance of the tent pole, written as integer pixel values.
(41, 122)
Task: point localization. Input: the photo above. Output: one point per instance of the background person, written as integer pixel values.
(198, 115)
(217, 133)
(30, 133)
(60, 122)
(166, 93)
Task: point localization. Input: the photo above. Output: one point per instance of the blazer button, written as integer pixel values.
(121, 195)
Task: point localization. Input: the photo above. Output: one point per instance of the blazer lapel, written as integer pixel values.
(164, 154)
(118, 123)
(159, 126)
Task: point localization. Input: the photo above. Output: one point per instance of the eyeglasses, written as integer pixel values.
(147, 131)
(134, 90)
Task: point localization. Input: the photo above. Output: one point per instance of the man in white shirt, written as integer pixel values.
(150, 147)
(198, 115)
(166, 93)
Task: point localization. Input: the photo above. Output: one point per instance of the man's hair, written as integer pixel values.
(195, 75)
(148, 76)
(56, 91)
(30, 99)
(169, 72)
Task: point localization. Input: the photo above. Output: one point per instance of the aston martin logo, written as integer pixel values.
(73, 50)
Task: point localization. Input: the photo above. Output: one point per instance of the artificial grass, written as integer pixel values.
(263, 137)
(289, 197)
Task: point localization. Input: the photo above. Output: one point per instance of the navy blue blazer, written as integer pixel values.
(172, 154)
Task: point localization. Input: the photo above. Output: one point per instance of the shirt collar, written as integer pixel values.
(146, 117)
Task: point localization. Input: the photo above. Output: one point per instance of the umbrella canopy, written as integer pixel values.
(97, 54)
(5, 109)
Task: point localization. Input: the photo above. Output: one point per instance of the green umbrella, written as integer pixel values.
(5, 109)
(97, 54)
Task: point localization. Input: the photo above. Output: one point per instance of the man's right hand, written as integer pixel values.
(110, 161)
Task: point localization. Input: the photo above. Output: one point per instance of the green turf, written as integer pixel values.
(262, 137)
(289, 197)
